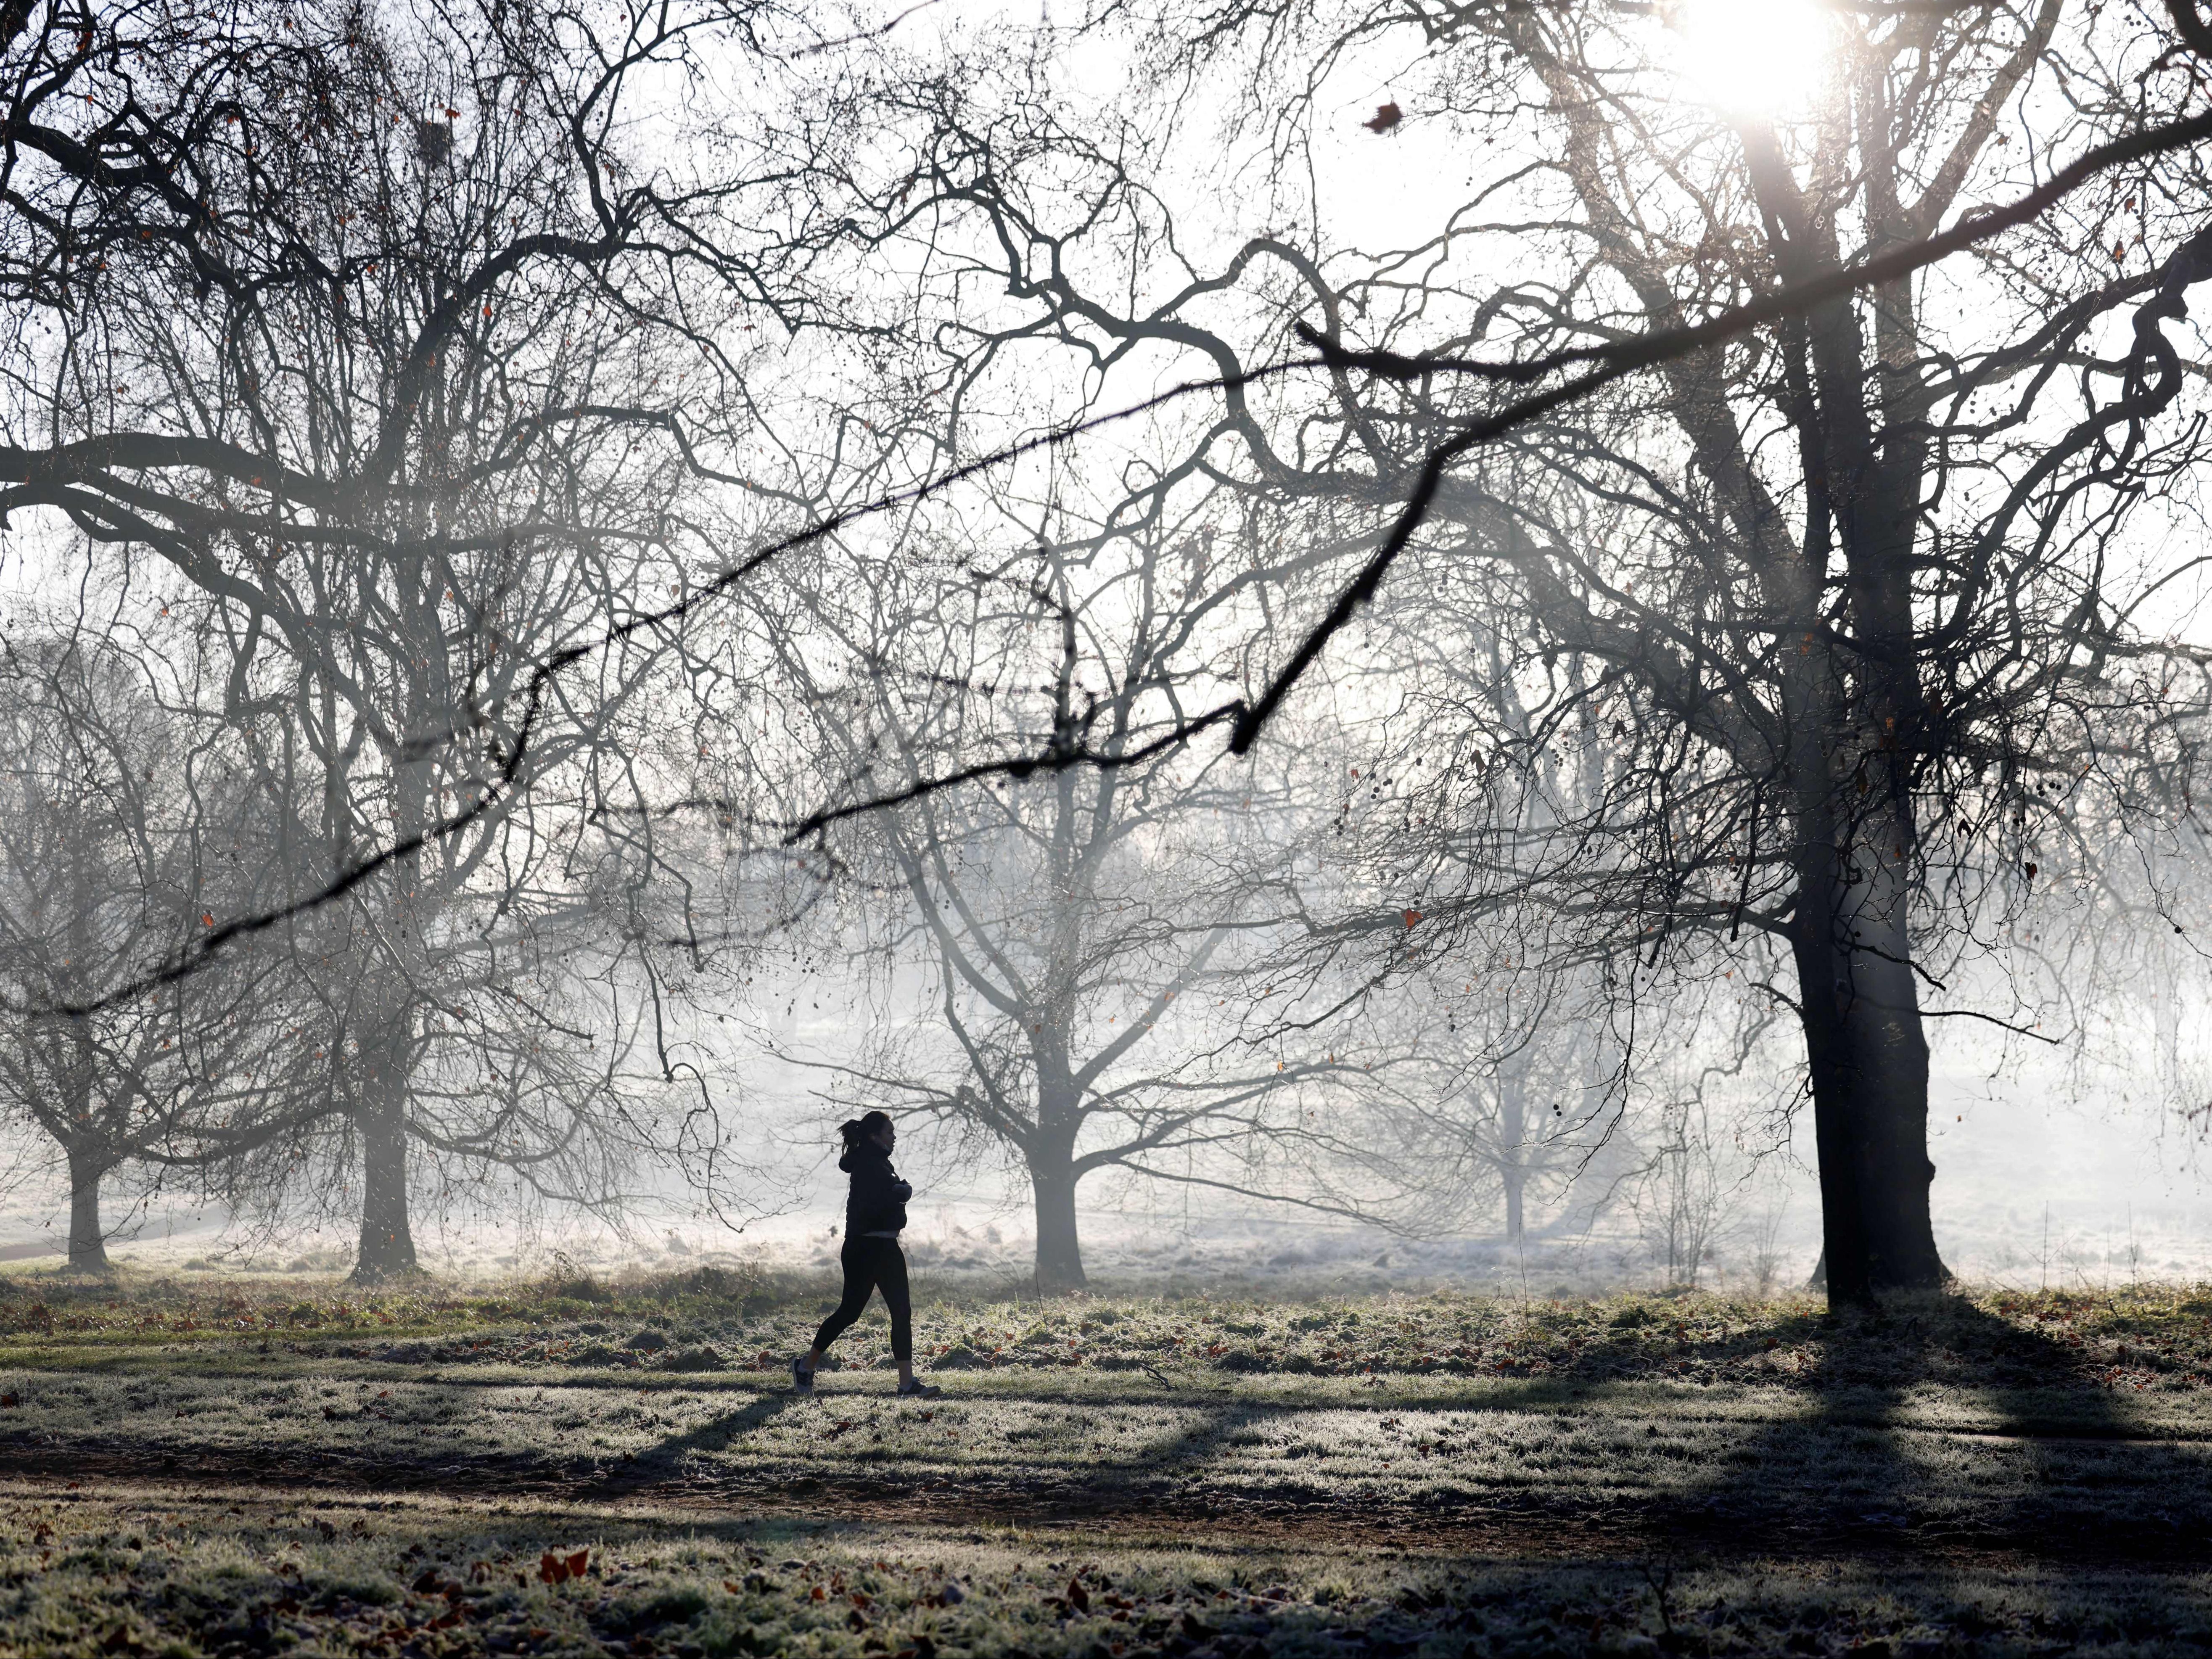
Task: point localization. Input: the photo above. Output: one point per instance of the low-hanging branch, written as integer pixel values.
(1599, 365)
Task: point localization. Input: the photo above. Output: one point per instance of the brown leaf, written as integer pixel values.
(1078, 1597)
(551, 1569)
(578, 1562)
(9, 1402)
(1413, 917)
(1386, 116)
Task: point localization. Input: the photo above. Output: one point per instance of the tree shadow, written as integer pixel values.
(1932, 1422)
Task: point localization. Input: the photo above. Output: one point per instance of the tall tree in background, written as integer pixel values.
(387, 348)
(1084, 939)
(121, 827)
(1862, 626)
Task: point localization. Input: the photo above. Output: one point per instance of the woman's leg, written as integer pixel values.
(891, 1274)
(859, 1263)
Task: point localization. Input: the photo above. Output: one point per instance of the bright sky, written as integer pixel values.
(1755, 56)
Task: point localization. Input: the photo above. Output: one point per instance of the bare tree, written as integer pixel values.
(392, 352)
(121, 828)
(1086, 941)
(1841, 599)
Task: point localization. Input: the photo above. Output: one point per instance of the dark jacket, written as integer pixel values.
(878, 1201)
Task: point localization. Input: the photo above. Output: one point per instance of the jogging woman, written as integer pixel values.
(875, 1210)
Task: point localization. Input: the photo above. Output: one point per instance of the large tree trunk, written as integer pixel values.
(1854, 713)
(1059, 1251)
(1867, 1058)
(387, 1243)
(88, 1240)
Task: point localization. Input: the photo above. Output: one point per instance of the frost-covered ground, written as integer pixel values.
(229, 1465)
(156, 1569)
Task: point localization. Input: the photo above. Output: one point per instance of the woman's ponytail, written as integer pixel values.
(858, 1129)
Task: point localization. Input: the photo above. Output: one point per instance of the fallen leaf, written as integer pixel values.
(1078, 1597)
(578, 1562)
(1386, 116)
(551, 1569)
(1412, 917)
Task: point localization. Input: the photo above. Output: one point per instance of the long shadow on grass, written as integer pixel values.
(1178, 1471)
(714, 1435)
(2017, 1446)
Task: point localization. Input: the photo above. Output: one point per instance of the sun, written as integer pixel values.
(1753, 57)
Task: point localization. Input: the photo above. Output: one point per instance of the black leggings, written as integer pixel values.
(873, 1264)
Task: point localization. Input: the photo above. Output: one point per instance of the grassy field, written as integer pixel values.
(253, 1467)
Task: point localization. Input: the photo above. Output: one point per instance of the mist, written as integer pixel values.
(575, 620)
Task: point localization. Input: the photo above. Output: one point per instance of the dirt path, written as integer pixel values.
(1537, 1530)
